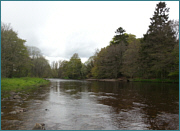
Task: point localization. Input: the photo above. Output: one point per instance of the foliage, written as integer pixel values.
(39, 65)
(74, 67)
(158, 45)
(19, 60)
(14, 56)
(120, 37)
(130, 58)
(68, 69)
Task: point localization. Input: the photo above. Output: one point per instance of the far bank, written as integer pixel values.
(138, 80)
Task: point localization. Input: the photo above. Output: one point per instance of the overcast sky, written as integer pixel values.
(61, 28)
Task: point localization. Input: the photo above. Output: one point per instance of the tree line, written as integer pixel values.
(155, 55)
(18, 60)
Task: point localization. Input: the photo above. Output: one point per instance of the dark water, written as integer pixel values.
(85, 105)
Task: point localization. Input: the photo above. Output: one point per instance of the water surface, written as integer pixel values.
(92, 105)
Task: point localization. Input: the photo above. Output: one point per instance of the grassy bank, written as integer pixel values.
(155, 80)
(20, 84)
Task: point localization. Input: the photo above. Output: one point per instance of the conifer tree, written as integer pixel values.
(158, 44)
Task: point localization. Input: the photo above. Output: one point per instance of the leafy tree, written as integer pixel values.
(34, 52)
(108, 62)
(89, 65)
(86, 67)
(74, 67)
(42, 67)
(174, 58)
(14, 55)
(55, 69)
(63, 69)
(130, 58)
(39, 65)
(98, 70)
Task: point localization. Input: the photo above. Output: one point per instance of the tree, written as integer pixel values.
(14, 55)
(74, 67)
(64, 68)
(174, 58)
(86, 67)
(42, 67)
(55, 69)
(130, 58)
(108, 62)
(89, 65)
(34, 52)
(98, 71)
(158, 43)
(39, 65)
(120, 37)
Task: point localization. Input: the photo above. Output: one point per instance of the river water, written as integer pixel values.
(93, 105)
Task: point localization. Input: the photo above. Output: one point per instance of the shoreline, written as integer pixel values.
(119, 79)
(137, 80)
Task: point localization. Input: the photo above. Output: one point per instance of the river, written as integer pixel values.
(93, 105)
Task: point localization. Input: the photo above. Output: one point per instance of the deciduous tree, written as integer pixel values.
(15, 60)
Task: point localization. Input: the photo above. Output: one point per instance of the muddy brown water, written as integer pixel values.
(92, 105)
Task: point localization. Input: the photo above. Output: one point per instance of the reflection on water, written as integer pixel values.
(85, 105)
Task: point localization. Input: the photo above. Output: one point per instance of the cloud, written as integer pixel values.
(81, 42)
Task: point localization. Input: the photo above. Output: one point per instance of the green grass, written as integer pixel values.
(156, 80)
(20, 84)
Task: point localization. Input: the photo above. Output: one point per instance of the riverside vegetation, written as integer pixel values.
(154, 56)
(9, 85)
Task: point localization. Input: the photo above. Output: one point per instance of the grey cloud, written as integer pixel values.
(83, 49)
(81, 43)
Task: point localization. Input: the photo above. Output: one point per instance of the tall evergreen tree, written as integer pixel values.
(158, 43)
(120, 37)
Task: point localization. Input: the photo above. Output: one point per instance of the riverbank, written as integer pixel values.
(26, 84)
(138, 80)
(156, 80)
(119, 79)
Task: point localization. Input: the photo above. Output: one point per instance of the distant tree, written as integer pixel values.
(88, 65)
(64, 67)
(99, 68)
(74, 67)
(39, 65)
(42, 67)
(34, 52)
(55, 69)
